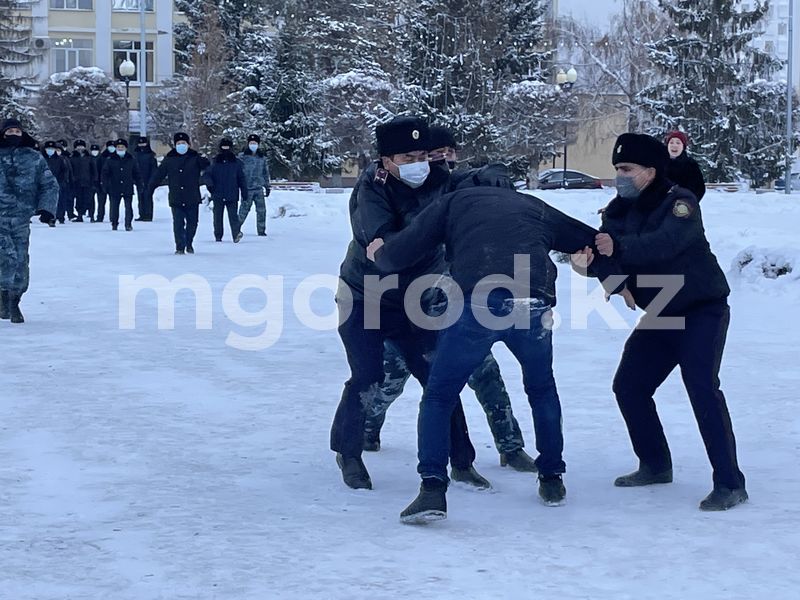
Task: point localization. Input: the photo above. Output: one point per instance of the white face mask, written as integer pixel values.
(95, 152)
(253, 147)
(182, 148)
(50, 151)
(110, 148)
(121, 153)
(414, 174)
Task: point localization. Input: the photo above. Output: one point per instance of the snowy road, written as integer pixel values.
(147, 464)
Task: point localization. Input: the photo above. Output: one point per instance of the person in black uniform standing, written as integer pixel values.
(182, 167)
(120, 174)
(225, 181)
(84, 177)
(654, 228)
(148, 164)
(109, 150)
(60, 169)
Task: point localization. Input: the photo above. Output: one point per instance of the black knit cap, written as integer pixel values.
(180, 137)
(10, 124)
(50, 144)
(63, 144)
(121, 142)
(143, 139)
(254, 138)
(225, 142)
(402, 134)
(441, 137)
(640, 149)
(79, 143)
(94, 147)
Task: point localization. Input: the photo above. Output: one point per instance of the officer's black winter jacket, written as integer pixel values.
(380, 203)
(84, 171)
(483, 229)
(661, 233)
(100, 162)
(146, 159)
(120, 174)
(59, 168)
(685, 172)
(225, 178)
(183, 173)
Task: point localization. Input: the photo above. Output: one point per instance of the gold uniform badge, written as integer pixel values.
(681, 209)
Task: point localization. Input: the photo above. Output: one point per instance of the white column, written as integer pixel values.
(41, 29)
(164, 60)
(102, 41)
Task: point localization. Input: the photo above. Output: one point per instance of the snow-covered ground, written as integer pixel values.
(168, 464)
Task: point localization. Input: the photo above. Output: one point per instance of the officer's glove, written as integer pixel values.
(266, 192)
(46, 217)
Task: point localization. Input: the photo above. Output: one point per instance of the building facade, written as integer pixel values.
(775, 38)
(104, 33)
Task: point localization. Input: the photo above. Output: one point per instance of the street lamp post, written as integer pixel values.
(565, 81)
(127, 70)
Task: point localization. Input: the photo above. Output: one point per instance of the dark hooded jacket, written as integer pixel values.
(120, 174)
(483, 229)
(183, 173)
(685, 172)
(661, 233)
(146, 159)
(27, 186)
(225, 178)
(380, 203)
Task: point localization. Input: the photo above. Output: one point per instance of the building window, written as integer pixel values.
(68, 53)
(131, 5)
(783, 28)
(124, 49)
(72, 4)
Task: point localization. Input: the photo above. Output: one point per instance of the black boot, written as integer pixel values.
(372, 443)
(722, 498)
(552, 490)
(16, 314)
(429, 505)
(354, 473)
(190, 249)
(471, 477)
(519, 460)
(5, 305)
(644, 475)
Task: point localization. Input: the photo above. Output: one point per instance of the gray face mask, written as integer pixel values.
(626, 188)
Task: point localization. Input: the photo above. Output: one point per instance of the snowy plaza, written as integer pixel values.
(165, 464)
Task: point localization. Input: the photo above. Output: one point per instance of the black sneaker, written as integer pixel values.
(190, 249)
(238, 237)
(722, 498)
(519, 460)
(471, 477)
(429, 505)
(354, 473)
(644, 475)
(551, 490)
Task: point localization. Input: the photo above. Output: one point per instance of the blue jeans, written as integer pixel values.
(460, 350)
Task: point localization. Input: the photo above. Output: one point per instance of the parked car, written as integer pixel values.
(553, 179)
(781, 185)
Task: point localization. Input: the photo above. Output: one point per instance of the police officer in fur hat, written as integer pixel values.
(655, 231)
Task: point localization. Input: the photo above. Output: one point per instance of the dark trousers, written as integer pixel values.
(101, 204)
(84, 201)
(364, 349)
(461, 349)
(650, 355)
(64, 203)
(184, 224)
(486, 382)
(145, 201)
(233, 218)
(113, 200)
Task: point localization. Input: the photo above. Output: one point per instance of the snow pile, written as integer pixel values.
(754, 263)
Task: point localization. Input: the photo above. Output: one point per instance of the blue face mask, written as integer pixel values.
(121, 153)
(110, 148)
(182, 148)
(414, 174)
(50, 151)
(253, 147)
(626, 188)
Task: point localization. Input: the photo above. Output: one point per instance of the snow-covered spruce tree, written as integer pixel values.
(82, 103)
(713, 85)
(18, 61)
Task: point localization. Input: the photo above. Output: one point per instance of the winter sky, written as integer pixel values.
(594, 11)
